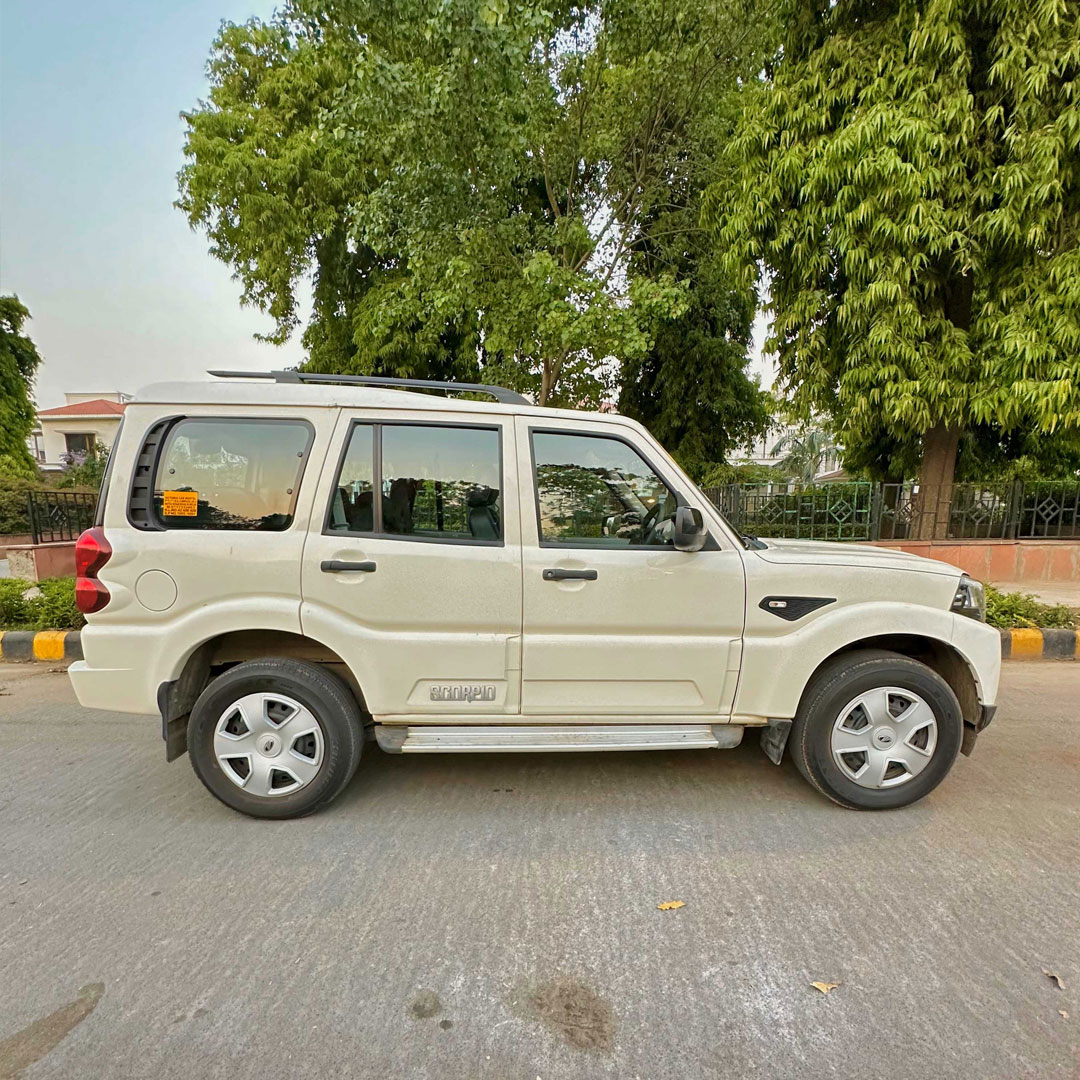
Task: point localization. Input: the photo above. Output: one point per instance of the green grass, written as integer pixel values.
(54, 609)
(1009, 611)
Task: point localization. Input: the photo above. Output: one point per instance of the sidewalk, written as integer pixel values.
(1049, 592)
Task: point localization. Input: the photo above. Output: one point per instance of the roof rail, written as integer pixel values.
(499, 393)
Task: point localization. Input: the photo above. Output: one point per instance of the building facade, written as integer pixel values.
(76, 427)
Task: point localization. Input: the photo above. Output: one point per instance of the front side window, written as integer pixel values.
(598, 491)
(231, 474)
(437, 482)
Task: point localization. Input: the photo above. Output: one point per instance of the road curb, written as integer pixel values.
(51, 645)
(42, 646)
(1031, 643)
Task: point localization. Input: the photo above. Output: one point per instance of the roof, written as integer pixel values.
(255, 392)
(96, 407)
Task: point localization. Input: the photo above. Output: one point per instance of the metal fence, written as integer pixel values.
(856, 510)
(59, 516)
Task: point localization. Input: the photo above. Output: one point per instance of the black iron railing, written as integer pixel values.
(59, 516)
(857, 510)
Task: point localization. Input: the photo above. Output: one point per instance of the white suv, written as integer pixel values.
(285, 566)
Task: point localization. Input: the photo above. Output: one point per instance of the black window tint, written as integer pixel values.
(599, 491)
(231, 474)
(441, 482)
(352, 504)
(79, 443)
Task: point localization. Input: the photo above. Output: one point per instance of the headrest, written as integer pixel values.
(482, 496)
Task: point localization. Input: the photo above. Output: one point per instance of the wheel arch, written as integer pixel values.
(177, 697)
(938, 655)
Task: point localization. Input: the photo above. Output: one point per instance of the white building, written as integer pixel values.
(75, 427)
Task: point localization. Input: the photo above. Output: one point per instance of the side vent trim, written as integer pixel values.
(792, 608)
(140, 510)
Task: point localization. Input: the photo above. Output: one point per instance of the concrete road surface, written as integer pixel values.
(496, 916)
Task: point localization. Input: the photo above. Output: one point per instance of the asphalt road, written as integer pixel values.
(496, 916)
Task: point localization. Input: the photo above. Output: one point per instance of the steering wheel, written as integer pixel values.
(648, 523)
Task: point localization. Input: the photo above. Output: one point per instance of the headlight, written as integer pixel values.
(970, 599)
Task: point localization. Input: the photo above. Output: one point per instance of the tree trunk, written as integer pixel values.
(941, 442)
(936, 482)
(546, 381)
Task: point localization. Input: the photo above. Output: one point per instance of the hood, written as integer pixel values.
(844, 553)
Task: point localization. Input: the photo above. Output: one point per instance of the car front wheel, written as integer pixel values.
(876, 730)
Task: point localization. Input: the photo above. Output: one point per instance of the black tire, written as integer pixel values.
(838, 683)
(328, 699)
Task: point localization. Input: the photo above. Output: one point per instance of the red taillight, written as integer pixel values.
(92, 552)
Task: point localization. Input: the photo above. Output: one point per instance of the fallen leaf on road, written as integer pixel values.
(1055, 978)
(1064, 1013)
(824, 987)
(671, 905)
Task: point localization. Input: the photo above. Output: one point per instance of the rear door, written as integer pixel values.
(412, 568)
(617, 622)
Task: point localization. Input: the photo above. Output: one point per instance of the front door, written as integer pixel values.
(413, 572)
(617, 623)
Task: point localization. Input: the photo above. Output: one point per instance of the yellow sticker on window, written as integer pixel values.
(179, 504)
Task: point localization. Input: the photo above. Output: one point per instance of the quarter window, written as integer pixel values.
(598, 491)
(231, 474)
(436, 482)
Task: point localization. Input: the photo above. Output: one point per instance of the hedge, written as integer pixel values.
(53, 609)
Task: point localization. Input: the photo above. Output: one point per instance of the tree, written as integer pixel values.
(805, 451)
(691, 389)
(985, 453)
(19, 362)
(910, 179)
(464, 179)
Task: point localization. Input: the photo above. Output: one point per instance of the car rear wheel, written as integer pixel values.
(275, 738)
(876, 730)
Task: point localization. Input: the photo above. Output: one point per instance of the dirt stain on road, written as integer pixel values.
(578, 1014)
(21, 1050)
(426, 1005)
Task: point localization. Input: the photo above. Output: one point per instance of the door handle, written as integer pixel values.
(337, 566)
(558, 574)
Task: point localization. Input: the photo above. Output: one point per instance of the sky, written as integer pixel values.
(121, 291)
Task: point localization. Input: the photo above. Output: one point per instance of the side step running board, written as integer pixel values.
(422, 739)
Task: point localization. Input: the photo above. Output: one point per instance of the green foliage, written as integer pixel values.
(465, 179)
(15, 482)
(85, 472)
(1016, 609)
(53, 608)
(985, 453)
(19, 362)
(718, 473)
(805, 451)
(909, 179)
(691, 388)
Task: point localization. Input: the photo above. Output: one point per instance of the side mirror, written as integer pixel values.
(690, 531)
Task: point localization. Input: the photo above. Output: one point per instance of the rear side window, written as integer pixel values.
(435, 481)
(231, 474)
